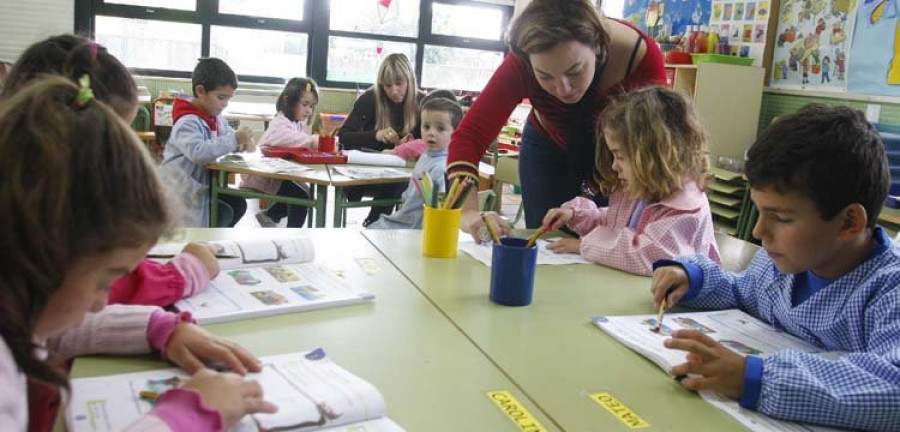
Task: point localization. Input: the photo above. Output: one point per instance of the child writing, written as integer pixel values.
(440, 117)
(296, 103)
(86, 227)
(826, 274)
(199, 136)
(651, 152)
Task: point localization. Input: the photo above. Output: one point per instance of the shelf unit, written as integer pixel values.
(728, 197)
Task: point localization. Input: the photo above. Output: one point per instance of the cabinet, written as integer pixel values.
(727, 99)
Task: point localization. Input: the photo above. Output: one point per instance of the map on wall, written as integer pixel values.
(812, 46)
(676, 14)
(876, 49)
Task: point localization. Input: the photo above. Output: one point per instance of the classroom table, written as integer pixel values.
(339, 182)
(432, 377)
(550, 348)
(319, 178)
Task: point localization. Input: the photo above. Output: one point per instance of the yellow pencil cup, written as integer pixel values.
(440, 232)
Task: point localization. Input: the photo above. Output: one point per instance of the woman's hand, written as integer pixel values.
(190, 346)
(230, 394)
(472, 223)
(387, 136)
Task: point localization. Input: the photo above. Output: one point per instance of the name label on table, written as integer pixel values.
(515, 411)
(618, 409)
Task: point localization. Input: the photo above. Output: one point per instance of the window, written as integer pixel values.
(453, 44)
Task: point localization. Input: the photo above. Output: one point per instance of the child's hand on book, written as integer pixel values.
(557, 217)
(565, 245)
(190, 346)
(206, 255)
(230, 394)
(244, 137)
(710, 365)
(671, 280)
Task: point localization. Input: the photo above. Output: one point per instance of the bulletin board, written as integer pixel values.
(676, 15)
(745, 24)
(812, 46)
(875, 54)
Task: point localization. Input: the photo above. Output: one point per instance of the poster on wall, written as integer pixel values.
(812, 46)
(743, 25)
(674, 16)
(876, 49)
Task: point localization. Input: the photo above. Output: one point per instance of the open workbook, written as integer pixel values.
(266, 277)
(735, 329)
(311, 392)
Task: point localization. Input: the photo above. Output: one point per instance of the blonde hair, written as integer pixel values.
(662, 137)
(396, 68)
(545, 24)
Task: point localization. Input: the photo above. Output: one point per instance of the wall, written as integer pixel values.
(775, 104)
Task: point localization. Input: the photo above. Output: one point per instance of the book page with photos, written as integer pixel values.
(243, 253)
(365, 173)
(733, 328)
(311, 392)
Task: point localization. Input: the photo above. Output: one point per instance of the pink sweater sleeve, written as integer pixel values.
(184, 410)
(195, 274)
(117, 329)
(282, 132)
(151, 283)
(586, 215)
(626, 249)
(410, 150)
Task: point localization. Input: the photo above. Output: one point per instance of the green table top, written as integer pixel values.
(550, 348)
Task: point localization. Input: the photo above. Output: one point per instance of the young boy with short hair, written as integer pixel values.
(826, 274)
(200, 135)
(441, 115)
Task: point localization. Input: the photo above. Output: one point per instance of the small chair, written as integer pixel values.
(506, 171)
(736, 253)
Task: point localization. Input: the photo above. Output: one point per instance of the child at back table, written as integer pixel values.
(440, 117)
(199, 136)
(826, 274)
(296, 103)
(86, 227)
(651, 154)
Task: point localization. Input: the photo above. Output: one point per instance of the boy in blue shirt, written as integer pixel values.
(826, 274)
(200, 135)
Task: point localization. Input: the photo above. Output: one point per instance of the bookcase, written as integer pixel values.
(728, 196)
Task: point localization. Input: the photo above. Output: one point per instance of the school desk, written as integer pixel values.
(339, 182)
(432, 377)
(319, 178)
(550, 348)
(251, 111)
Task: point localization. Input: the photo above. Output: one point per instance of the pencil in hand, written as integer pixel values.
(533, 238)
(490, 228)
(662, 311)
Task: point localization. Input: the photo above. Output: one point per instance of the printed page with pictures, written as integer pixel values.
(268, 277)
(365, 173)
(733, 328)
(311, 392)
(483, 252)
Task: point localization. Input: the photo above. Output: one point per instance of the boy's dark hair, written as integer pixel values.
(292, 93)
(212, 73)
(832, 155)
(73, 57)
(443, 101)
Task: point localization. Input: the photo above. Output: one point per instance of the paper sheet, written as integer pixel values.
(483, 252)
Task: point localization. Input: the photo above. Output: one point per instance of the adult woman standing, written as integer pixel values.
(571, 62)
(385, 115)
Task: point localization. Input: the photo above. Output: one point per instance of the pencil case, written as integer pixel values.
(305, 156)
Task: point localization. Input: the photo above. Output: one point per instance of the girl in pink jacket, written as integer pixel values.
(651, 155)
(295, 105)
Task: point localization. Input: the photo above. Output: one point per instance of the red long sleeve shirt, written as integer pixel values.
(514, 81)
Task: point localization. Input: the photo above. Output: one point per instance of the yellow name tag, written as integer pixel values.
(515, 411)
(618, 409)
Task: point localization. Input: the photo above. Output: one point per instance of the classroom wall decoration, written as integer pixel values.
(812, 47)
(675, 15)
(744, 24)
(876, 49)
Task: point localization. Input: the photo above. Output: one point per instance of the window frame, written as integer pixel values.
(315, 23)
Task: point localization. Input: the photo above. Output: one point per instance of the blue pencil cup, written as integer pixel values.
(512, 272)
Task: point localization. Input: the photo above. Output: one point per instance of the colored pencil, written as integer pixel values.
(533, 238)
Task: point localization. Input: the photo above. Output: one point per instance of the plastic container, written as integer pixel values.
(719, 58)
(678, 57)
(440, 232)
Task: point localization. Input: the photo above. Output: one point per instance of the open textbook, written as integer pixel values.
(483, 252)
(310, 390)
(733, 328)
(267, 277)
